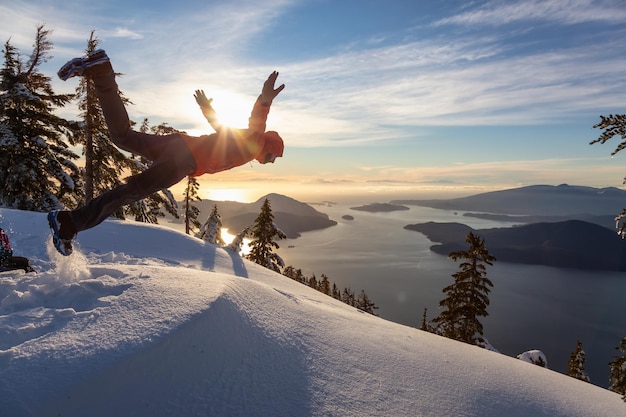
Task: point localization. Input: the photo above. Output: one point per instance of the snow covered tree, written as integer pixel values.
(37, 171)
(614, 125)
(263, 233)
(211, 230)
(576, 364)
(617, 376)
(237, 243)
(467, 299)
(191, 211)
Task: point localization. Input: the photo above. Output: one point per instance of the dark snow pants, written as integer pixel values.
(172, 159)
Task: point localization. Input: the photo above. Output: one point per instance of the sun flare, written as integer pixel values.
(233, 110)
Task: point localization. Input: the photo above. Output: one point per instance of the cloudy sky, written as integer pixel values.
(392, 98)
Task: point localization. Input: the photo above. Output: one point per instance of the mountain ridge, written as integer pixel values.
(561, 200)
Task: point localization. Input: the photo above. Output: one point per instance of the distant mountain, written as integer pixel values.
(291, 216)
(562, 200)
(569, 244)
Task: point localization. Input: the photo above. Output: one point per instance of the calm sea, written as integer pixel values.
(532, 307)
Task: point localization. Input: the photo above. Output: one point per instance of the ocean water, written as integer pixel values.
(532, 307)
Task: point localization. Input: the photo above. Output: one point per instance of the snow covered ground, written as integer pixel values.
(146, 321)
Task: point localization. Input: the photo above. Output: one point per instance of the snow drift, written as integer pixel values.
(143, 320)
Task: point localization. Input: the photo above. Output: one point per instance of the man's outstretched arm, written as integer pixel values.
(207, 109)
(261, 108)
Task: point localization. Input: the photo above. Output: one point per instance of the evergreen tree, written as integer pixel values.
(614, 125)
(290, 272)
(364, 303)
(347, 297)
(37, 171)
(617, 376)
(324, 285)
(211, 230)
(237, 243)
(576, 364)
(425, 325)
(191, 211)
(263, 234)
(313, 282)
(105, 164)
(294, 274)
(467, 299)
(335, 293)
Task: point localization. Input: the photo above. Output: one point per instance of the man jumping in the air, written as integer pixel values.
(174, 156)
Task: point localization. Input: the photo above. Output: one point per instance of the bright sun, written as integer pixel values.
(232, 109)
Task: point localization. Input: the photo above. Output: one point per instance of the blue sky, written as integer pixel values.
(392, 98)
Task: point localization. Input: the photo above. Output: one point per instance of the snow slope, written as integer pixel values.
(146, 321)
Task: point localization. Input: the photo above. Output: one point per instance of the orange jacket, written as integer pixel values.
(229, 147)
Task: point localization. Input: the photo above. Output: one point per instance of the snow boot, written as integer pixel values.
(63, 231)
(86, 65)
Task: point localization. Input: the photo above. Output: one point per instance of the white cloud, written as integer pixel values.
(500, 12)
(126, 33)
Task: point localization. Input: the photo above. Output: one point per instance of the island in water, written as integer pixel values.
(568, 244)
(380, 207)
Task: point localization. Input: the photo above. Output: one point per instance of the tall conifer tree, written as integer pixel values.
(425, 326)
(325, 285)
(467, 299)
(614, 125)
(364, 303)
(37, 171)
(211, 230)
(105, 163)
(576, 364)
(264, 234)
(191, 211)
